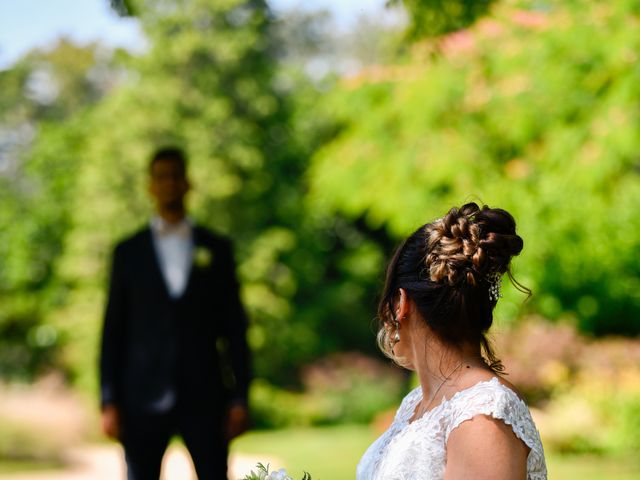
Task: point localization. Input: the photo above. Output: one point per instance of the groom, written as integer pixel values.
(174, 356)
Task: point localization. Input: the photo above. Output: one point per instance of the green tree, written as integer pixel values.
(431, 18)
(43, 98)
(531, 111)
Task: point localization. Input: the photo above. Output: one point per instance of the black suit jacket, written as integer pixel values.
(192, 348)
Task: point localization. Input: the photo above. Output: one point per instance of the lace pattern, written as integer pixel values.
(417, 450)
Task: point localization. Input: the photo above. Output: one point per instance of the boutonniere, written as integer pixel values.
(202, 257)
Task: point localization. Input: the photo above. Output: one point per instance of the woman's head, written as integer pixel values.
(450, 269)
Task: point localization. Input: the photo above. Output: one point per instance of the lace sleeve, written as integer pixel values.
(496, 400)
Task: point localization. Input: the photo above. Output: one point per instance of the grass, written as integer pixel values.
(329, 453)
(592, 467)
(17, 466)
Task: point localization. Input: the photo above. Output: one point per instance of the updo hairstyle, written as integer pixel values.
(447, 267)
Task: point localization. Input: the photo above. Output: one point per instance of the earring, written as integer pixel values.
(396, 337)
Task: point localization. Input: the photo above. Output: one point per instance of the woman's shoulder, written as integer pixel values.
(485, 380)
(495, 398)
(492, 396)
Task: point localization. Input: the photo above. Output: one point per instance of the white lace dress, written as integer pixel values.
(417, 450)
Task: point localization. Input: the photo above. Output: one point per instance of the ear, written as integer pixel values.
(402, 306)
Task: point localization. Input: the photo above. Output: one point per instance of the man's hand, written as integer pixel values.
(111, 421)
(237, 420)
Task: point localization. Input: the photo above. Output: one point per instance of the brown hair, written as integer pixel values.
(447, 268)
(171, 154)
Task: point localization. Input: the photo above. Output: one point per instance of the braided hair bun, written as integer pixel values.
(470, 243)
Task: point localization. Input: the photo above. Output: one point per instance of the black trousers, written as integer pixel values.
(145, 438)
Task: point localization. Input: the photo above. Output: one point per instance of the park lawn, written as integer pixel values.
(592, 467)
(19, 466)
(327, 453)
(332, 453)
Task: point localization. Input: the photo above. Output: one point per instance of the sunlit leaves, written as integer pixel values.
(531, 110)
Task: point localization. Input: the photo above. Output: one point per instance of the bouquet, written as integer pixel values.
(264, 474)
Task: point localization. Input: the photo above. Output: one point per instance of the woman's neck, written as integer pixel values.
(440, 366)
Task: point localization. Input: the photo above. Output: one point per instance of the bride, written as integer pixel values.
(464, 421)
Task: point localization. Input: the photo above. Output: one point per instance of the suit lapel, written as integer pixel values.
(153, 264)
(195, 238)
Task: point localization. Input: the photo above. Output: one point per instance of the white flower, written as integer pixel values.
(263, 474)
(278, 475)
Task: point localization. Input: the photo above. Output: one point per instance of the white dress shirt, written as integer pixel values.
(173, 243)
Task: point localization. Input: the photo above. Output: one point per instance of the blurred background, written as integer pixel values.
(320, 133)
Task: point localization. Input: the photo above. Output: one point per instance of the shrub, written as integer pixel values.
(341, 388)
(540, 357)
(587, 391)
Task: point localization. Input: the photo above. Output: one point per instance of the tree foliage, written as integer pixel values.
(44, 99)
(534, 112)
(431, 18)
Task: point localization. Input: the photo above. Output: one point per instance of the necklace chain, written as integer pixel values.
(435, 394)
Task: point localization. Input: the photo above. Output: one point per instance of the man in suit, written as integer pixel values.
(174, 357)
